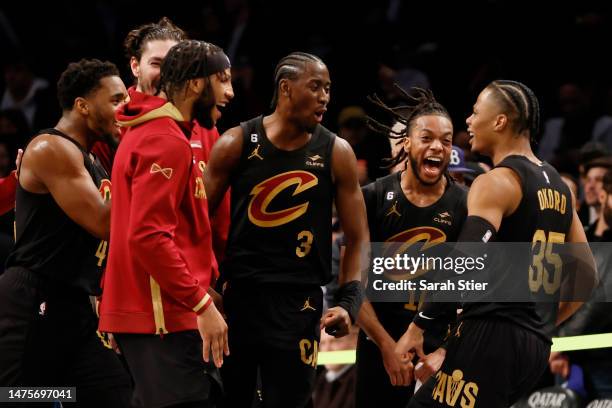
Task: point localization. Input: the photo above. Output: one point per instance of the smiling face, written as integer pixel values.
(103, 103)
(309, 95)
(429, 146)
(483, 122)
(147, 69)
(207, 108)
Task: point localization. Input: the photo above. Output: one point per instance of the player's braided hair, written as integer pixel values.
(82, 78)
(420, 102)
(291, 67)
(185, 61)
(521, 104)
(137, 39)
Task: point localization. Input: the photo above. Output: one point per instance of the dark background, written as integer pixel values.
(460, 46)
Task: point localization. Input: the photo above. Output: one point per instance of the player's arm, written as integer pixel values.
(352, 216)
(54, 165)
(585, 269)
(400, 372)
(224, 158)
(156, 197)
(485, 214)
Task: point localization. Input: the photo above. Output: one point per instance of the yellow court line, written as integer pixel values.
(590, 341)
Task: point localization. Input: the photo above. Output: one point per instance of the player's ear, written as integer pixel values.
(81, 105)
(501, 121)
(407, 144)
(135, 67)
(196, 85)
(284, 87)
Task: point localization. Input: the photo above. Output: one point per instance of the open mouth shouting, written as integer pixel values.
(432, 166)
(319, 114)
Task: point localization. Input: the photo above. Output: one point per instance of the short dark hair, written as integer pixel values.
(291, 67)
(82, 78)
(521, 105)
(420, 102)
(164, 29)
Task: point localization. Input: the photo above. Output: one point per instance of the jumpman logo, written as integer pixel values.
(393, 210)
(307, 305)
(255, 153)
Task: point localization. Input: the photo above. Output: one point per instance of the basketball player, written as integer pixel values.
(146, 47)
(419, 201)
(285, 171)
(155, 300)
(500, 350)
(47, 323)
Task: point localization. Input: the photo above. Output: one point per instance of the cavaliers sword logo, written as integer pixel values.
(264, 192)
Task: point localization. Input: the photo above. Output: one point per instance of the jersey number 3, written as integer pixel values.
(305, 246)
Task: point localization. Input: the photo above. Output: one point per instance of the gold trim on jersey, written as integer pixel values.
(158, 307)
(201, 303)
(167, 110)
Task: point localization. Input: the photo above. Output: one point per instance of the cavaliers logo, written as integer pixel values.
(264, 192)
(401, 242)
(105, 189)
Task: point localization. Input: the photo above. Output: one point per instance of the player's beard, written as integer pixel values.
(103, 133)
(202, 108)
(414, 165)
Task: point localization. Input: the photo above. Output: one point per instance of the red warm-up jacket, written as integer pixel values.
(159, 265)
(8, 186)
(202, 141)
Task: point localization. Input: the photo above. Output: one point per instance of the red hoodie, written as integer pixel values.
(202, 141)
(8, 186)
(159, 264)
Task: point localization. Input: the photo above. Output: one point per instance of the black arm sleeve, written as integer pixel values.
(475, 229)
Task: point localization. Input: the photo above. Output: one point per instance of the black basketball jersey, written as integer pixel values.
(393, 218)
(543, 218)
(281, 211)
(48, 243)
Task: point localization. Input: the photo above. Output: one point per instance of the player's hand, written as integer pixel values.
(429, 365)
(411, 341)
(113, 343)
(336, 322)
(400, 371)
(18, 162)
(213, 331)
(559, 364)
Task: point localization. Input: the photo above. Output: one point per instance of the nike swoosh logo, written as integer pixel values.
(425, 317)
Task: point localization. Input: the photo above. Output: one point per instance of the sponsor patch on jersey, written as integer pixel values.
(444, 218)
(315, 161)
